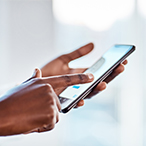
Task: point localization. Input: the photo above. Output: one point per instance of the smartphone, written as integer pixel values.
(100, 69)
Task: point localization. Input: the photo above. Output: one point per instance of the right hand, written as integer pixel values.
(33, 105)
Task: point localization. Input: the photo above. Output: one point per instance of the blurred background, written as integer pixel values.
(33, 32)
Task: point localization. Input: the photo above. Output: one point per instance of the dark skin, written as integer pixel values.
(59, 66)
(35, 103)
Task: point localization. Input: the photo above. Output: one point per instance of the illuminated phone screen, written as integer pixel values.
(112, 56)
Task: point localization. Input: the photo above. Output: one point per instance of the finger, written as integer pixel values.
(58, 91)
(58, 104)
(68, 80)
(45, 129)
(77, 53)
(55, 97)
(115, 73)
(42, 129)
(80, 103)
(125, 62)
(37, 73)
(100, 87)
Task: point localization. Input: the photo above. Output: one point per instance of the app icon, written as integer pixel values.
(74, 96)
(76, 87)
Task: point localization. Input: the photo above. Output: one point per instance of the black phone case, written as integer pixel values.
(84, 94)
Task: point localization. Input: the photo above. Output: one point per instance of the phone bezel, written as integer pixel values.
(86, 92)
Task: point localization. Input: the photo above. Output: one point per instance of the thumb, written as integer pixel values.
(37, 73)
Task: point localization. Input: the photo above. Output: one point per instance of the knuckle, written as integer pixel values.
(67, 79)
(65, 56)
(47, 88)
(53, 121)
(83, 78)
(51, 104)
(51, 118)
(51, 126)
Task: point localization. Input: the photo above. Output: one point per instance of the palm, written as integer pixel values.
(59, 66)
(55, 67)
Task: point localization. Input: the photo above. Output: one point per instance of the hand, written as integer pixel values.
(33, 105)
(59, 66)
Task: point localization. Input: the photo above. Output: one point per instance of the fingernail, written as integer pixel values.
(90, 76)
(36, 69)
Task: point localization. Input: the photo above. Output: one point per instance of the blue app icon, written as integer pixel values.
(76, 87)
(74, 96)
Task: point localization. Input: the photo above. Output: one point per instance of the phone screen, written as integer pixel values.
(112, 56)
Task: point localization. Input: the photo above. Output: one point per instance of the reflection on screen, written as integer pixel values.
(98, 69)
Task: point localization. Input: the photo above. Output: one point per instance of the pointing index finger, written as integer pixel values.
(68, 80)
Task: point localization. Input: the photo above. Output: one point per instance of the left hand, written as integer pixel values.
(59, 66)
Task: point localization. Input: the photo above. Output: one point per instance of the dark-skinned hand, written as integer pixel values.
(33, 106)
(60, 66)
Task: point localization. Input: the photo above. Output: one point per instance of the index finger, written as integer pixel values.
(68, 80)
(56, 99)
(77, 53)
